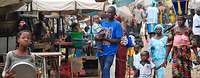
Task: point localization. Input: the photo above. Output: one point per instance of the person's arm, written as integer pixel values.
(5, 73)
(112, 41)
(150, 48)
(169, 47)
(152, 69)
(66, 43)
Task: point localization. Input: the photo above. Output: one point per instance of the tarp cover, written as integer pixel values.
(63, 5)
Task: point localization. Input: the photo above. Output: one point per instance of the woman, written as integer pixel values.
(21, 54)
(122, 51)
(157, 49)
(180, 40)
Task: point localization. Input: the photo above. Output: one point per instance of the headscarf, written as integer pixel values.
(161, 26)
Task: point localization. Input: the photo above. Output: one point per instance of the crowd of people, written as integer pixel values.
(167, 36)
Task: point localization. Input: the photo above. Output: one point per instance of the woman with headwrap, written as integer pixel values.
(180, 43)
(157, 49)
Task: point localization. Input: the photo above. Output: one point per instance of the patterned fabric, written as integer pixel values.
(180, 6)
(181, 57)
(181, 64)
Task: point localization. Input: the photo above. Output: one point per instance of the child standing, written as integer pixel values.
(145, 67)
(21, 54)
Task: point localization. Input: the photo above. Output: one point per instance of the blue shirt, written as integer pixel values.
(113, 30)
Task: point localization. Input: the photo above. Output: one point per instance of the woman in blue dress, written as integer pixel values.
(157, 49)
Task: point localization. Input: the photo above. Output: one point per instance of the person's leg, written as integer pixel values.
(101, 60)
(108, 60)
(159, 72)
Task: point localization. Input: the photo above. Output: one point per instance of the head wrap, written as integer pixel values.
(161, 26)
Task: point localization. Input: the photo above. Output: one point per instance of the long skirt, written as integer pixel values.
(181, 62)
(121, 59)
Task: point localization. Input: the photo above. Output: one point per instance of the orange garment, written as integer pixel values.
(131, 51)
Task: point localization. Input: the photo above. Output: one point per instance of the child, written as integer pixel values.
(136, 57)
(100, 33)
(145, 67)
(136, 60)
(21, 54)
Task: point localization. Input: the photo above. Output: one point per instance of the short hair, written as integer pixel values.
(20, 33)
(113, 9)
(144, 53)
(137, 46)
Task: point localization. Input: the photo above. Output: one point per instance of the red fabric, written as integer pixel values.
(65, 70)
(118, 18)
(121, 62)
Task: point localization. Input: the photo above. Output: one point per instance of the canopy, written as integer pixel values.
(63, 5)
(7, 6)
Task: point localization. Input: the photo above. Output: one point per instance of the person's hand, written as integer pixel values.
(164, 63)
(198, 59)
(57, 42)
(98, 38)
(10, 75)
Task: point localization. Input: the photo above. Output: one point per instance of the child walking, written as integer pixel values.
(145, 67)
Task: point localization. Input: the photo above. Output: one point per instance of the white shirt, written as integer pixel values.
(136, 60)
(145, 70)
(196, 22)
(152, 15)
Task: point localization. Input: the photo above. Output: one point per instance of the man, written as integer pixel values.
(190, 18)
(152, 19)
(139, 15)
(196, 27)
(113, 34)
(162, 13)
(22, 25)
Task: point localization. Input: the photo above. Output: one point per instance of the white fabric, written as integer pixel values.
(132, 39)
(152, 15)
(112, 68)
(196, 22)
(136, 60)
(194, 4)
(146, 70)
(63, 5)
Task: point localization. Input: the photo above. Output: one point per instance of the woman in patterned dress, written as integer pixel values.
(181, 41)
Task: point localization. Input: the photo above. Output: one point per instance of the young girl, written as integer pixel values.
(145, 66)
(21, 54)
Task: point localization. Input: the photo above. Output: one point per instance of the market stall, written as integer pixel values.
(56, 17)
